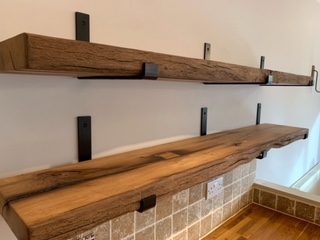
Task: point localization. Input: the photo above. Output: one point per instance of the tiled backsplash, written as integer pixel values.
(286, 203)
(186, 215)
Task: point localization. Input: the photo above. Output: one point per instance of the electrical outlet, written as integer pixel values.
(214, 187)
(90, 236)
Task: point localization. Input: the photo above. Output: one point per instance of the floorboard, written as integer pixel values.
(259, 223)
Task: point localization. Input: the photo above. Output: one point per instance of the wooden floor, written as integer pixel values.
(258, 223)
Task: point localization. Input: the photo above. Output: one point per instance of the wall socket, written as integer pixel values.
(90, 236)
(214, 187)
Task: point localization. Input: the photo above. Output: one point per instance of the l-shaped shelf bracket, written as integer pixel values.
(150, 71)
(270, 77)
(315, 75)
(263, 154)
(147, 203)
(203, 124)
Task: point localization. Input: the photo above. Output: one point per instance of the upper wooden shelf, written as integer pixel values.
(60, 202)
(35, 54)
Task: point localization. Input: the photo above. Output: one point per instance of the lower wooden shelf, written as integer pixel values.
(60, 202)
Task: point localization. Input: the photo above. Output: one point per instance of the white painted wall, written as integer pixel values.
(38, 126)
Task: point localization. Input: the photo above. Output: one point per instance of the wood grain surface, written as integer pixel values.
(258, 223)
(35, 54)
(60, 202)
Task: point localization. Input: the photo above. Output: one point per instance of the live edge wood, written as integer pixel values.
(60, 202)
(35, 54)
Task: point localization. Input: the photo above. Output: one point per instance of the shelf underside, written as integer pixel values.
(35, 54)
(60, 202)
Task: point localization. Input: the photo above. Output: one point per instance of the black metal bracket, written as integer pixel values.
(263, 154)
(82, 26)
(147, 203)
(150, 71)
(84, 138)
(258, 115)
(314, 76)
(269, 79)
(262, 62)
(207, 51)
(204, 116)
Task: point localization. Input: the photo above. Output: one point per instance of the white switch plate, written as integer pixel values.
(88, 237)
(214, 187)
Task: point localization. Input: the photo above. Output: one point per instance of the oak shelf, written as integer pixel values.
(60, 202)
(35, 54)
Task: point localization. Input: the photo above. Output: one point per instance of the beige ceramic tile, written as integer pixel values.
(181, 236)
(217, 201)
(180, 200)
(244, 184)
(179, 221)
(285, 205)
(235, 205)
(194, 213)
(195, 193)
(268, 199)
(252, 178)
(85, 236)
(164, 208)
(206, 207)
(244, 200)
(122, 226)
(305, 211)
(256, 195)
(144, 219)
(163, 229)
(227, 178)
(226, 211)
(129, 238)
(146, 234)
(317, 216)
(217, 217)
(194, 231)
(245, 169)
(251, 195)
(236, 173)
(102, 232)
(236, 189)
(205, 225)
(227, 196)
(253, 166)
